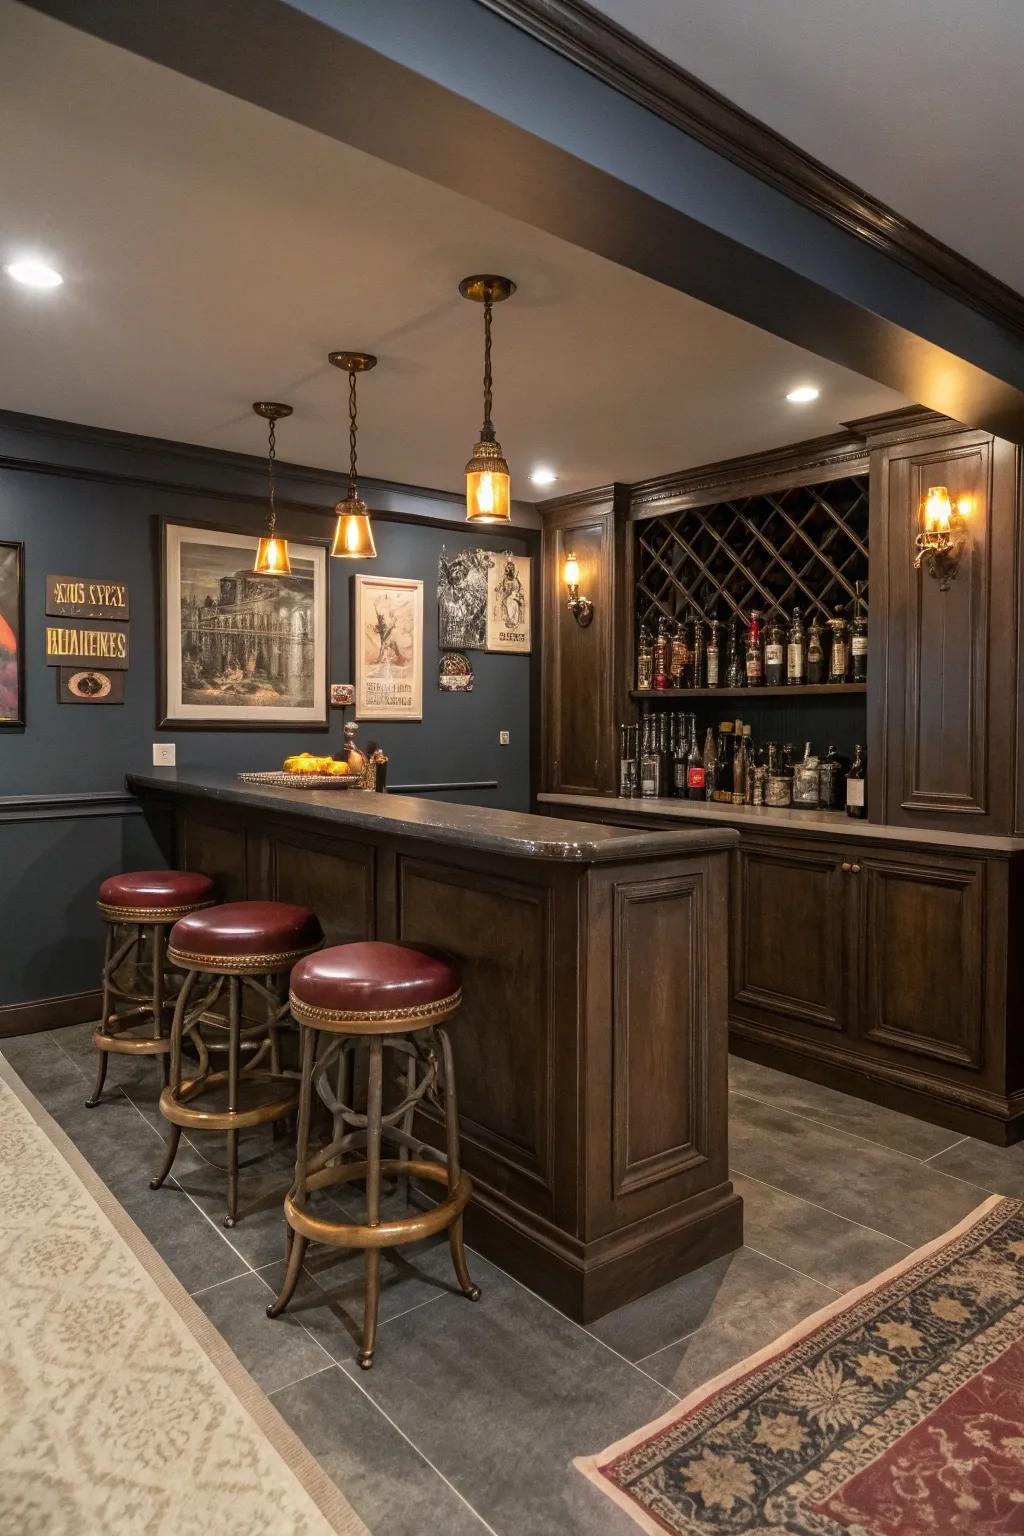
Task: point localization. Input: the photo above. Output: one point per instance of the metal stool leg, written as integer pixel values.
(177, 1029)
(298, 1245)
(374, 1114)
(451, 1125)
(159, 947)
(101, 1065)
(234, 1045)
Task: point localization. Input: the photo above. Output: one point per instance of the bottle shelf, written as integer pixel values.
(793, 691)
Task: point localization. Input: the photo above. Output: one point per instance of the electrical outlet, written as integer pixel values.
(163, 754)
(503, 738)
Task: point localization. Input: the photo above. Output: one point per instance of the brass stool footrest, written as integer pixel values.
(125, 1044)
(387, 1234)
(262, 1098)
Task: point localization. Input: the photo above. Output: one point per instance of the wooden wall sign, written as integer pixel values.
(90, 685)
(89, 644)
(79, 597)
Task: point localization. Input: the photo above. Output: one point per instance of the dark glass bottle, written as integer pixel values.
(816, 659)
(710, 765)
(839, 648)
(830, 781)
(713, 665)
(700, 653)
(774, 652)
(857, 786)
(629, 782)
(723, 774)
(739, 766)
(796, 651)
(662, 647)
(859, 637)
(754, 651)
(696, 782)
(735, 669)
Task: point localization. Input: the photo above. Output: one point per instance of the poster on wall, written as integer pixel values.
(12, 634)
(388, 647)
(508, 603)
(240, 649)
(462, 599)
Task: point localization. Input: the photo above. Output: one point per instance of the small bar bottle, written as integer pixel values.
(680, 753)
(723, 776)
(700, 653)
(859, 637)
(856, 786)
(778, 784)
(735, 670)
(650, 762)
(628, 767)
(710, 765)
(696, 781)
(713, 667)
(661, 655)
(754, 652)
(839, 649)
(644, 660)
(816, 653)
(830, 781)
(774, 652)
(739, 768)
(677, 657)
(796, 652)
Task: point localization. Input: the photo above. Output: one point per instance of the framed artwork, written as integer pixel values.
(508, 603)
(240, 650)
(462, 599)
(12, 634)
(387, 620)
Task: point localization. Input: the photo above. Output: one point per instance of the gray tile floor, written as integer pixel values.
(472, 1414)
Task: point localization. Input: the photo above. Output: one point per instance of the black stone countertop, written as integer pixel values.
(514, 834)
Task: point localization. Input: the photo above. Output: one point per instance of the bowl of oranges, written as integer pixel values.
(308, 770)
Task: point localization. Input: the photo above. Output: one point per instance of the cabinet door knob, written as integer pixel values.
(846, 868)
(855, 868)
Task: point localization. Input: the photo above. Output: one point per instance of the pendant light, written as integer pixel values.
(353, 536)
(272, 554)
(488, 497)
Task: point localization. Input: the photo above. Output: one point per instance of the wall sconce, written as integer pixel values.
(944, 536)
(581, 608)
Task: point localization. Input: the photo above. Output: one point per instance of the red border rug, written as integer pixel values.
(896, 1411)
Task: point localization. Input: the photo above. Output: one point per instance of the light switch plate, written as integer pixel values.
(503, 738)
(163, 754)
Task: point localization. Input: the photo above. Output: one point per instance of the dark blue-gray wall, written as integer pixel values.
(86, 503)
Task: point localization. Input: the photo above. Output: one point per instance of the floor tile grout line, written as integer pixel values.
(958, 1143)
(837, 1130)
(792, 1269)
(332, 1365)
(816, 1206)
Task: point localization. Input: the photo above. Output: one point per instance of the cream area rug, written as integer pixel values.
(122, 1411)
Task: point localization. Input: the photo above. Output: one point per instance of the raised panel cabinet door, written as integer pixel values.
(580, 753)
(922, 937)
(790, 962)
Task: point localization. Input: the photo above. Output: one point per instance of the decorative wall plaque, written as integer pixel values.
(90, 643)
(342, 695)
(454, 673)
(82, 597)
(90, 686)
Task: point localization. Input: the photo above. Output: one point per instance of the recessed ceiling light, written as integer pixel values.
(542, 475)
(803, 394)
(34, 273)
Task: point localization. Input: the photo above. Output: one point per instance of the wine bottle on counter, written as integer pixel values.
(839, 650)
(816, 652)
(754, 651)
(796, 652)
(774, 652)
(695, 776)
(713, 668)
(735, 668)
(644, 660)
(629, 776)
(859, 637)
(661, 654)
(856, 786)
(723, 773)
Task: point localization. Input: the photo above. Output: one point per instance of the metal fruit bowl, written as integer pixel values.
(305, 780)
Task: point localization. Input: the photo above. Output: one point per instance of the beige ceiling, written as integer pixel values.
(214, 253)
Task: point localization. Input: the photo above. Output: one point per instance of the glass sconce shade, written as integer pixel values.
(353, 535)
(272, 557)
(488, 485)
(571, 574)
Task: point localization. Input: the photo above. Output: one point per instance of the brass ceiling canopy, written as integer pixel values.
(353, 535)
(352, 362)
(272, 551)
(488, 483)
(485, 288)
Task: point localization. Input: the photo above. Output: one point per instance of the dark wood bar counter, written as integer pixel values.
(591, 1044)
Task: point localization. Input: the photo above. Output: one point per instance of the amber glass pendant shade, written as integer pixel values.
(272, 557)
(353, 535)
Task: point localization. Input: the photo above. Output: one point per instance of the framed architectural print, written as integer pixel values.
(387, 620)
(241, 650)
(12, 634)
(508, 603)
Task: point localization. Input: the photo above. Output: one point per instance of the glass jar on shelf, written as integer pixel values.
(778, 782)
(806, 790)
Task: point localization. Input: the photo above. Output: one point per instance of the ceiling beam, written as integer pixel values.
(456, 94)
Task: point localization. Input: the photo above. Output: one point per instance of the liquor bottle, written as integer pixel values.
(696, 782)
(710, 765)
(759, 776)
(856, 786)
(774, 652)
(735, 670)
(713, 666)
(816, 652)
(723, 777)
(748, 767)
(830, 781)
(628, 779)
(644, 660)
(739, 768)
(700, 653)
(686, 681)
(665, 742)
(805, 781)
(839, 649)
(859, 637)
(778, 784)
(680, 753)
(661, 654)
(677, 657)
(796, 652)
(754, 651)
(650, 762)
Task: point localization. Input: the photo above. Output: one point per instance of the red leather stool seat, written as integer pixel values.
(244, 935)
(154, 894)
(379, 986)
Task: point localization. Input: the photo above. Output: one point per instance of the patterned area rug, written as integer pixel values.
(122, 1411)
(897, 1411)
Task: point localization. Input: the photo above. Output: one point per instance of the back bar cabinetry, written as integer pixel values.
(878, 956)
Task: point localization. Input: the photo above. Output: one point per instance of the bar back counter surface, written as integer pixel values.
(591, 1043)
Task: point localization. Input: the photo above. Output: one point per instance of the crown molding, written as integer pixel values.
(614, 56)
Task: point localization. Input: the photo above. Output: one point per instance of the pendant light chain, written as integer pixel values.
(487, 433)
(352, 433)
(271, 457)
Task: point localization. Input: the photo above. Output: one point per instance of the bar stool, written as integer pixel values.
(236, 943)
(374, 996)
(147, 902)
